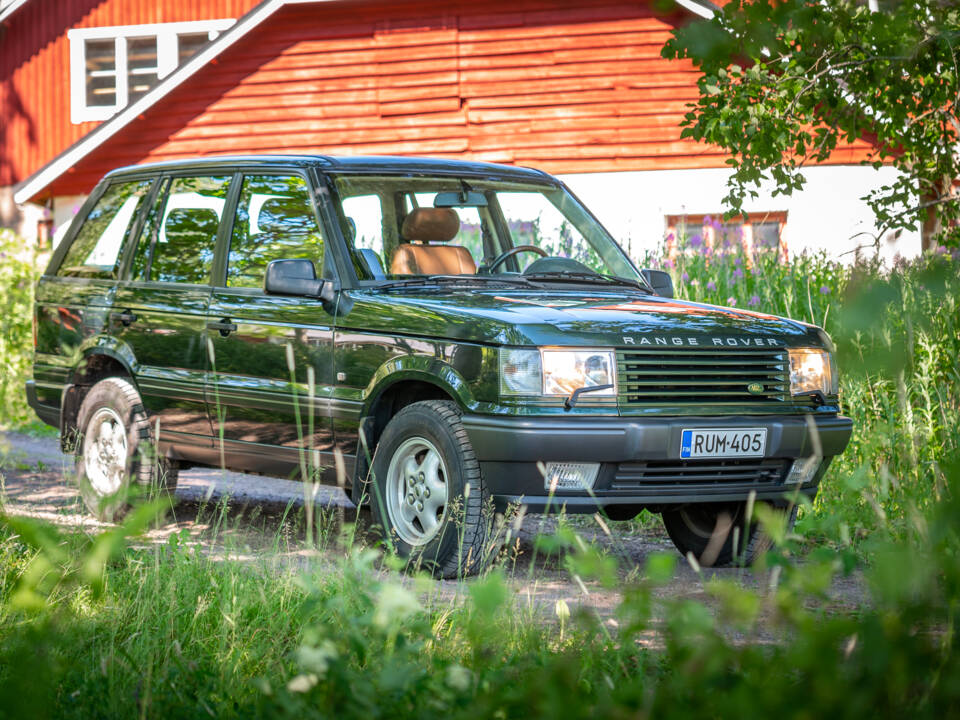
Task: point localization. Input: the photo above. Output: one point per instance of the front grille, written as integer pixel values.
(699, 474)
(667, 376)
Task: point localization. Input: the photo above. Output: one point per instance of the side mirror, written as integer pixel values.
(660, 281)
(296, 277)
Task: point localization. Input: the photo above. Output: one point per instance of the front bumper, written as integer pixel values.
(640, 458)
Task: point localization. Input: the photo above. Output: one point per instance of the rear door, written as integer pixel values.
(272, 370)
(161, 311)
(73, 307)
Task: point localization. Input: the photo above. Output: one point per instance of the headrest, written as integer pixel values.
(285, 216)
(431, 225)
(185, 224)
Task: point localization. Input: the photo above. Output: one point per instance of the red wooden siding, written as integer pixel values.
(548, 83)
(35, 69)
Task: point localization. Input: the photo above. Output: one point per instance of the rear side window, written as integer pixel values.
(95, 251)
(275, 221)
(182, 231)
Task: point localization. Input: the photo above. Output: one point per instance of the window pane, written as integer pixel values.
(142, 72)
(275, 221)
(183, 249)
(364, 215)
(96, 250)
(189, 44)
(101, 72)
(534, 220)
(151, 227)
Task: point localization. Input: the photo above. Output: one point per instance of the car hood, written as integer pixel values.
(584, 317)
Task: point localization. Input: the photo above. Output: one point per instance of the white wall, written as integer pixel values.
(827, 214)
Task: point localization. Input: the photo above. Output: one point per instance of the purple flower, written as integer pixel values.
(737, 274)
(824, 290)
(737, 261)
(711, 286)
(668, 264)
(753, 301)
(685, 277)
(696, 241)
(708, 252)
(941, 250)
(669, 237)
(731, 301)
(707, 220)
(755, 270)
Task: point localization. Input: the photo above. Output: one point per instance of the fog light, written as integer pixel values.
(570, 476)
(803, 470)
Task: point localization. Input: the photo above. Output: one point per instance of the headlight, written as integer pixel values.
(567, 370)
(812, 369)
(555, 372)
(520, 372)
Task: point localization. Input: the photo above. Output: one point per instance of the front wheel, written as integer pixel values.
(116, 450)
(718, 534)
(427, 491)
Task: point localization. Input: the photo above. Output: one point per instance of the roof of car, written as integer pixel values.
(364, 164)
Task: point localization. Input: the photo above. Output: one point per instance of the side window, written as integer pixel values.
(95, 251)
(275, 221)
(364, 215)
(183, 242)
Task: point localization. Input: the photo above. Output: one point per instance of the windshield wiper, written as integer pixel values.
(590, 277)
(428, 280)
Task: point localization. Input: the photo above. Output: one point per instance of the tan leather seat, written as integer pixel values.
(416, 256)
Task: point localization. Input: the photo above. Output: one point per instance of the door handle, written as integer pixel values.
(224, 326)
(126, 317)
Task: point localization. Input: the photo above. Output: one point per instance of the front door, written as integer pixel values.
(271, 376)
(161, 312)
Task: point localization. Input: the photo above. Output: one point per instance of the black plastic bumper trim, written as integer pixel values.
(529, 439)
(48, 413)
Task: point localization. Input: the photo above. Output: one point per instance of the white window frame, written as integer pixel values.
(167, 35)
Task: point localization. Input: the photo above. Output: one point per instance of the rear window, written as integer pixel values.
(96, 250)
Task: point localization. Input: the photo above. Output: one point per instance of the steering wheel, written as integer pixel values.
(507, 254)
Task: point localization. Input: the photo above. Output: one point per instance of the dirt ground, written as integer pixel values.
(259, 519)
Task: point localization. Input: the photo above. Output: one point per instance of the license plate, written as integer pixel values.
(716, 443)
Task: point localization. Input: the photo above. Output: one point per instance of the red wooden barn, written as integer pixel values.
(577, 89)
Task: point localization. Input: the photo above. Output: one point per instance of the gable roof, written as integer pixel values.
(35, 183)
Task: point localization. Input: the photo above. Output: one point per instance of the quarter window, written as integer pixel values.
(275, 221)
(182, 243)
(95, 251)
(113, 66)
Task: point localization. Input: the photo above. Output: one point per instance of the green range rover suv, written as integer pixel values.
(445, 339)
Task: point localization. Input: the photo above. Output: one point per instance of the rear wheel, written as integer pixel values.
(116, 451)
(427, 491)
(718, 533)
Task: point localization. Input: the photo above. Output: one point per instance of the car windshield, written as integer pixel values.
(401, 228)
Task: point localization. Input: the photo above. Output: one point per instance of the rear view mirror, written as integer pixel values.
(296, 277)
(464, 198)
(660, 281)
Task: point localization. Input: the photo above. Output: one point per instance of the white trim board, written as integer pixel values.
(32, 185)
(10, 8)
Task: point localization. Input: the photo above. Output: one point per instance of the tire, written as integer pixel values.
(433, 520)
(693, 527)
(115, 451)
